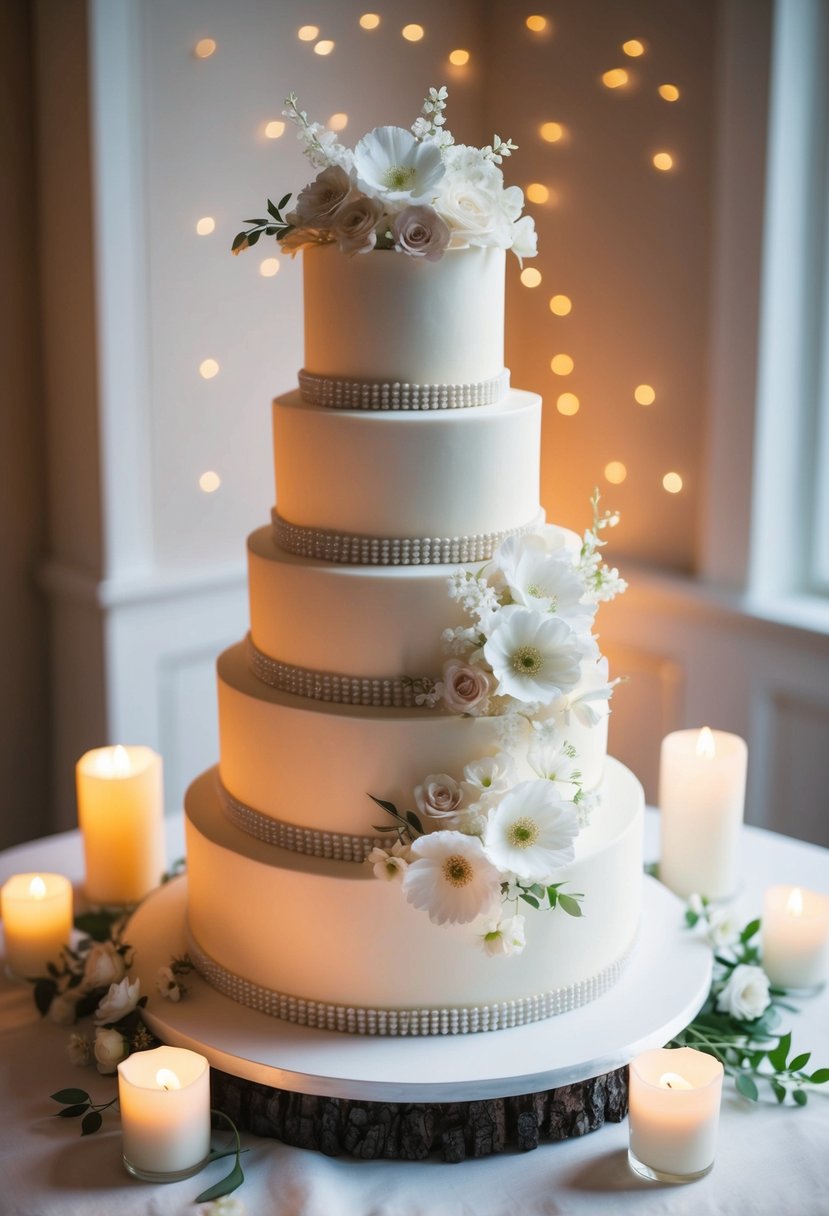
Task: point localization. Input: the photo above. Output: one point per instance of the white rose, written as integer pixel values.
(723, 928)
(119, 1001)
(110, 1049)
(473, 213)
(524, 242)
(103, 966)
(353, 226)
(746, 995)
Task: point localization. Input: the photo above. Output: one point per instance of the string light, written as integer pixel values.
(413, 33)
(616, 78)
(205, 225)
(370, 21)
(208, 368)
(560, 305)
(633, 48)
(644, 394)
(536, 24)
(459, 58)
(307, 33)
(204, 48)
(209, 481)
(324, 47)
(663, 161)
(551, 132)
(615, 472)
(274, 129)
(530, 277)
(562, 365)
(672, 482)
(538, 193)
(568, 404)
(338, 122)
(269, 267)
(669, 92)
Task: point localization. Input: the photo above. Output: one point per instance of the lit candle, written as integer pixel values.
(674, 1113)
(37, 921)
(702, 781)
(164, 1096)
(795, 935)
(120, 811)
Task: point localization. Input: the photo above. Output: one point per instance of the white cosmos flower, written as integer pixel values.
(544, 581)
(492, 775)
(503, 936)
(394, 166)
(533, 657)
(553, 760)
(531, 831)
(450, 877)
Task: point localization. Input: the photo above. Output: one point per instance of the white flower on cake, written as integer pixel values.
(531, 832)
(389, 864)
(746, 994)
(553, 759)
(318, 203)
(393, 165)
(121, 999)
(544, 581)
(533, 657)
(504, 936)
(450, 877)
(488, 777)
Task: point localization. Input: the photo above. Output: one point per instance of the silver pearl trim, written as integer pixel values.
(395, 692)
(355, 550)
(354, 1019)
(337, 392)
(313, 842)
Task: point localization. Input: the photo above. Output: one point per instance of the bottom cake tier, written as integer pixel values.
(324, 943)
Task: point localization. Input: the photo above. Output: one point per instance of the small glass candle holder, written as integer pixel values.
(674, 1098)
(164, 1096)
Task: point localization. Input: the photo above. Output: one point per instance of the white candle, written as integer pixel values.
(164, 1096)
(37, 921)
(121, 815)
(795, 936)
(674, 1113)
(702, 781)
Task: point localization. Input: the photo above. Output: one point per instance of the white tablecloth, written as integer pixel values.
(770, 1159)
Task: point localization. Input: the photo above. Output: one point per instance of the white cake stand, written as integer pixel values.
(660, 992)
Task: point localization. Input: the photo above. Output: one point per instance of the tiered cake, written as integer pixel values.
(415, 638)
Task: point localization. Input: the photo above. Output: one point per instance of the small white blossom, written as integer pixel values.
(389, 864)
(79, 1049)
(168, 985)
(723, 928)
(696, 904)
(63, 1007)
(504, 937)
(460, 640)
(745, 995)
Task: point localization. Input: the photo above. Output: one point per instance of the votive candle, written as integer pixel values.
(795, 937)
(164, 1097)
(37, 921)
(121, 816)
(702, 781)
(674, 1101)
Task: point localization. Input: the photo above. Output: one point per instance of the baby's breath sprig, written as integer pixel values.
(498, 149)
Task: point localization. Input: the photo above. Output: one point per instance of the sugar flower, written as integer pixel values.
(745, 995)
(466, 687)
(439, 796)
(489, 776)
(503, 937)
(420, 232)
(544, 581)
(354, 224)
(533, 657)
(450, 877)
(321, 199)
(391, 164)
(531, 831)
(389, 864)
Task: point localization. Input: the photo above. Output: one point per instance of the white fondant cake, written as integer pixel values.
(421, 698)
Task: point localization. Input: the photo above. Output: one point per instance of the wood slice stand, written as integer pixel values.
(407, 1098)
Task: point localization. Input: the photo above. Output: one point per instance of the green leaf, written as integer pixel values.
(274, 211)
(387, 806)
(97, 925)
(73, 1112)
(751, 928)
(239, 239)
(777, 1057)
(552, 895)
(253, 238)
(747, 1087)
(801, 1097)
(778, 1090)
(283, 202)
(820, 1077)
(529, 899)
(569, 905)
(91, 1123)
(72, 1096)
(225, 1187)
(44, 992)
(800, 1062)
(412, 818)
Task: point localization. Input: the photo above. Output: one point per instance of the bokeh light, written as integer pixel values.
(669, 92)
(560, 305)
(562, 365)
(672, 482)
(537, 24)
(663, 161)
(568, 404)
(530, 277)
(615, 472)
(307, 33)
(413, 33)
(459, 58)
(551, 132)
(206, 225)
(209, 481)
(208, 368)
(268, 267)
(616, 78)
(324, 47)
(204, 48)
(274, 129)
(537, 192)
(370, 21)
(633, 48)
(644, 394)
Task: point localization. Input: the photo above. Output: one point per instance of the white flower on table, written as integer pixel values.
(79, 1049)
(531, 831)
(503, 936)
(103, 966)
(121, 999)
(110, 1048)
(63, 1008)
(389, 864)
(745, 995)
(723, 928)
(450, 877)
(391, 164)
(544, 581)
(533, 657)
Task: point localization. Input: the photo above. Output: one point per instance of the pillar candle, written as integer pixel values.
(702, 782)
(164, 1097)
(121, 815)
(37, 921)
(795, 936)
(674, 1113)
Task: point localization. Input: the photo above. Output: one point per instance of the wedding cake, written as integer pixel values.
(414, 827)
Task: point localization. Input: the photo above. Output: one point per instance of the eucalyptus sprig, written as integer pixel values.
(408, 826)
(273, 225)
(77, 1104)
(539, 896)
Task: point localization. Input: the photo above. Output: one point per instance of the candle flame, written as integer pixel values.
(114, 762)
(705, 744)
(794, 904)
(37, 888)
(165, 1078)
(674, 1080)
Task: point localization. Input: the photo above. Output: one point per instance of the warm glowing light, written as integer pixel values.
(633, 48)
(413, 33)
(536, 24)
(537, 192)
(672, 482)
(113, 762)
(562, 365)
(669, 92)
(560, 305)
(370, 21)
(643, 394)
(705, 745)
(530, 277)
(37, 888)
(165, 1078)
(568, 404)
(324, 47)
(552, 132)
(206, 225)
(274, 129)
(208, 368)
(268, 267)
(459, 58)
(674, 1080)
(794, 904)
(209, 481)
(307, 33)
(663, 161)
(615, 78)
(615, 472)
(204, 48)
(338, 122)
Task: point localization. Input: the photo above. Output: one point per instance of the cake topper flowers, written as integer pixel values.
(413, 191)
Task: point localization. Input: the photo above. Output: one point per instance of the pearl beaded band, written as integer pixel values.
(339, 393)
(399, 692)
(354, 550)
(311, 841)
(352, 1019)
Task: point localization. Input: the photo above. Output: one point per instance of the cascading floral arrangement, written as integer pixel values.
(529, 660)
(413, 191)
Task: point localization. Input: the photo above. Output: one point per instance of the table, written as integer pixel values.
(770, 1160)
